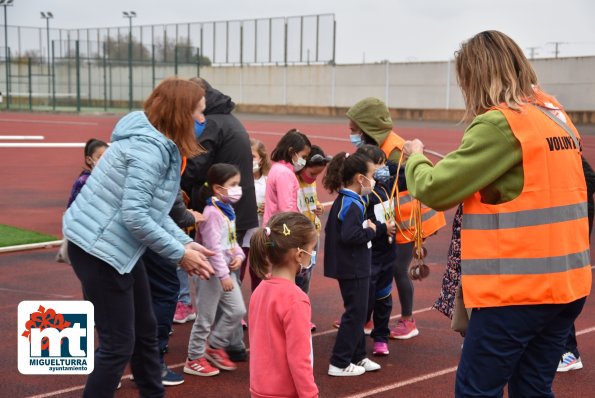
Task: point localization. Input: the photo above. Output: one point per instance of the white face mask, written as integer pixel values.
(312, 260)
(368, 190)
(234, 194)
(255, 166)
(299, 163)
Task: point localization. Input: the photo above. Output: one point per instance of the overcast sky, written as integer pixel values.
(374, 30)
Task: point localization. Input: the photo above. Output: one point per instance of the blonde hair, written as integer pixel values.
(264, 156)
(492, 70)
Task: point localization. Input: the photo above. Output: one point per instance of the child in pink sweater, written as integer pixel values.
(221, 293)
(280, 340)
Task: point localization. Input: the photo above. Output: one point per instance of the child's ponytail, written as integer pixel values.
(258, 252)
(333, 178)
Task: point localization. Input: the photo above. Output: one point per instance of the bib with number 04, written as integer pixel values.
(384, 211)
(307, 199)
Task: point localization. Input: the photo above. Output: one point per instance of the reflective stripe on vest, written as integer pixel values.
(533, 249)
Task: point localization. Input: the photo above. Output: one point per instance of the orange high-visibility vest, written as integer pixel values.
(533, 249)
(432, 220)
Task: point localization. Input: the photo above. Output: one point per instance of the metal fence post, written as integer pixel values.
(198, 61)
(29, 83)
(78, 76)
(104, 78)
(53, 76)
(153, 66)
(176, 60)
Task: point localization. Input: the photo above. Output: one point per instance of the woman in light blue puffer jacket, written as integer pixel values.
(122, 210)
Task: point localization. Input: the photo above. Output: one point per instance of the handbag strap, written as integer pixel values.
(560, 123)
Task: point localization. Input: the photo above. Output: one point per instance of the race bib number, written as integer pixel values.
(383, 211)
(307, 199)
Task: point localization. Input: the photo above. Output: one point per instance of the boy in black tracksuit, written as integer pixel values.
(384, 255)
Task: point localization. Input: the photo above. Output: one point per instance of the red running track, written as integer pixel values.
(35, 185)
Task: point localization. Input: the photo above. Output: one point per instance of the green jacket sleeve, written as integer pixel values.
(488, 160)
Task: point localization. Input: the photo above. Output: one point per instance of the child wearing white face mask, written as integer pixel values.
(220, 293)
(282, 184)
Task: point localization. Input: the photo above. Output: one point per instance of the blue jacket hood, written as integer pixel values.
(136, 124)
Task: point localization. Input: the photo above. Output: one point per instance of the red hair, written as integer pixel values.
(169, 108)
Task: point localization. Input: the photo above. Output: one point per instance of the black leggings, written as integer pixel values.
(125, 325)
(402, 279)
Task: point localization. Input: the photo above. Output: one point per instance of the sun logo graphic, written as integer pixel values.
(55, 337)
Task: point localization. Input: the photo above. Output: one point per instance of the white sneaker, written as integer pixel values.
(569, 362)
(351, 370)
(368, 365)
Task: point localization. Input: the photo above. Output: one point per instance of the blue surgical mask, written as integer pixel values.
(356, 140)
(382, 174)
(198, 128)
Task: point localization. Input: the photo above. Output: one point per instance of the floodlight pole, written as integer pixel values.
(47, 16)
(129, 15)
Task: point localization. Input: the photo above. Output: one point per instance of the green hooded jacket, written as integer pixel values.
(372, 117)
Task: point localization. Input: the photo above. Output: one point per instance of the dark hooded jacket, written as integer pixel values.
(226, 141)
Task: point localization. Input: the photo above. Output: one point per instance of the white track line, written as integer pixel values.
(48, 122)
(3, 289)
(22, 137)
(404, 383)
(30, 246)
(42, 145)
(360, 395)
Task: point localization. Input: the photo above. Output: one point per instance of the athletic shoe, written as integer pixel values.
(237, 355)
(368, 327)
(312, 326)
(170, 378)
(380, 349)
(351, 370)
(244, 325)
(219, 358)
(368, 365)
(200, 367)
(337, 324)
(119, 385)
(569, 362)
(404, 330)
(184, 313)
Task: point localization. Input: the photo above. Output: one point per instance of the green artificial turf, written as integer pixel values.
(11, 236)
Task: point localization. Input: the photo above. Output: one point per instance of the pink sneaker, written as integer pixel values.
(368, 327)
(200, 367)
(219, 358)
(184, 313)
(404, 330)
(380, 349)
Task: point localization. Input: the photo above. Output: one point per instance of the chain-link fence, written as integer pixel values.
(119, 66)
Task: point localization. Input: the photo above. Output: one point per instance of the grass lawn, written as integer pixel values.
(11, 236)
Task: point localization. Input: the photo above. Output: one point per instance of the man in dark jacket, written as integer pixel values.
(226, 141)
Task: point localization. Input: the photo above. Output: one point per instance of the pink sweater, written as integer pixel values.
(281, 192)
(280, 341)
(213, 233)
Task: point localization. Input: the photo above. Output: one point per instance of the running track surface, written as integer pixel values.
(35, 183)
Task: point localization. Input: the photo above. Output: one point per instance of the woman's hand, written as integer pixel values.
(195, 260)
(198, 217)
(411, 147)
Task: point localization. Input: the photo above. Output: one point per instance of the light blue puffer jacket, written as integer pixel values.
(124, 206)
